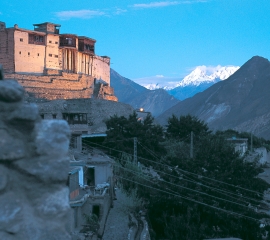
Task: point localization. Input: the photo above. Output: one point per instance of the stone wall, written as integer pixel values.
(7, 49)
(64, 86)
(34, 167)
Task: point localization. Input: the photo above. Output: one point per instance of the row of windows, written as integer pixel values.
(28, 53)
(36, 39)
(71, 118)
(54, 42)
(50, 55)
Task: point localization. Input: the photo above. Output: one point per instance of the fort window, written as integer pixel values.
(42, 116)
(75, 118)
(56, 56)
(56, 42)
(68, 41)
(20, 52)
(50, 55)
(38, 54)
(35, 39)
(21, 39)
(28, 53)
(50, 41)
(54, 116)
(87, 45)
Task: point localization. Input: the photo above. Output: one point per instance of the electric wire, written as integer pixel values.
(211, 187)
(218, 190)
(190, 189)
(181, 170)
(193, 200)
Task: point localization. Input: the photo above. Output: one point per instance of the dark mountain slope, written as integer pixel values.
(127, 91)
(242, 102)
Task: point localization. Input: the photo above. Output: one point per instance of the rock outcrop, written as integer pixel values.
(34, 167)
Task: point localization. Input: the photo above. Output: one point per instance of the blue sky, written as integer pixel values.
(148, 38)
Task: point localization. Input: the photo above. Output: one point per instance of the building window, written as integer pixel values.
(28, 53)
(50, 55)
(75, 118)
(68, 41)
(56, 42)
(21, 39)
(38, 54)
(20, 52)
(35, 39)
(54, 116)
(42, 116)
(50, 41)
(56, 56)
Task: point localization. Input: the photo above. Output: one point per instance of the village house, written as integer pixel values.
(240, 144)
(90, 179)
(91, 188)
(51, 65)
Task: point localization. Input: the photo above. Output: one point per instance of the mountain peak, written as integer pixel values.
(207, 74)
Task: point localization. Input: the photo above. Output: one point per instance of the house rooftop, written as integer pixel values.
(39, 24)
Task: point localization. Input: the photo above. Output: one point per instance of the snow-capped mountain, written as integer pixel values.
(204, 74)
(198, 80)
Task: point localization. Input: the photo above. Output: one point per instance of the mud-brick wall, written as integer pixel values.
(28, 57)
(7, 49)
(101, 68)
(53, 54)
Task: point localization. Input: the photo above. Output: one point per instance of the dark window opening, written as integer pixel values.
(96, 210)
(75, 118)
(28, 53)
(50, 55)
(36, 39)
(73, 142)
(54, 116)
(38, 54)
(68, 41)
(56, 42)
(56, 56)
(50, 41)
(20, 52)
(21, 39)
(42, 116)
(90, 177)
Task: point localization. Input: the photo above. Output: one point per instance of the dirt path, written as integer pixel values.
(117, 222)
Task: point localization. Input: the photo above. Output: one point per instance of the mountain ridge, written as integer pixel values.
(241, 102)
(127, 91)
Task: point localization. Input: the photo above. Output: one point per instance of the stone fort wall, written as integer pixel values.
(61, 85)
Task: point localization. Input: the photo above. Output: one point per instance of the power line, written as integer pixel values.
(177, 185)
(218, 190)
(190, 199)
(184, 171)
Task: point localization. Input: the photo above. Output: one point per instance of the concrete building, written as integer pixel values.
(91, 189)
(240, 144)
(51, 65)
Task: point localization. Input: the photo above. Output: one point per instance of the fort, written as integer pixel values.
(51, 65)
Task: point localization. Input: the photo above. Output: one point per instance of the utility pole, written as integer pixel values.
(191, 144)
(135, 151)
(251, 142)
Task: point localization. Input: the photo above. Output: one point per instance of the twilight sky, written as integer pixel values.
(156, 38)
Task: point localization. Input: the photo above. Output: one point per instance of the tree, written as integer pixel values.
(180, 128)
(121, 132)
